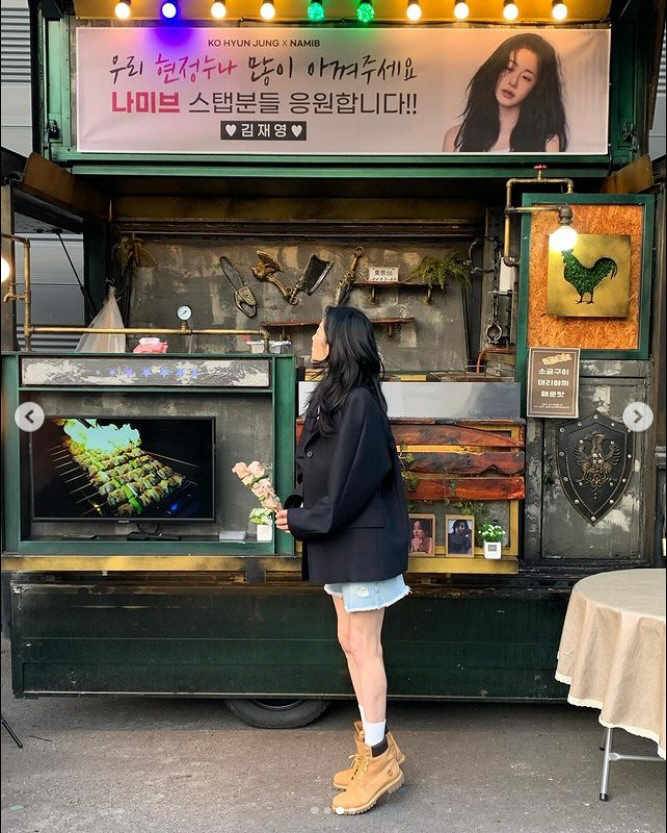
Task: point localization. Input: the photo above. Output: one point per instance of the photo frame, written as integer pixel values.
(460, 536)
(422, 535)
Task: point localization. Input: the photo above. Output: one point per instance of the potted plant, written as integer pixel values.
(433, 271)
(492, 535)
(264, 520)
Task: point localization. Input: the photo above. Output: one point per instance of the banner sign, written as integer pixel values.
(553, 382)
(342, 91)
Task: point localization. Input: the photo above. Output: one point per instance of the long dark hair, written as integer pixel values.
(353, 361)
(541, 113)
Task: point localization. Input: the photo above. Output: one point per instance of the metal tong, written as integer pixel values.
(244, 297)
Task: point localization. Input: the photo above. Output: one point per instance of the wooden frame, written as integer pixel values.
(466, 523)
(428, 526)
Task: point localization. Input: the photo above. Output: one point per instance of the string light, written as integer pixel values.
(414, 11)
(558, 10)
(218, 10)
(461, 10)
(510, 10)
(169, 10)
(267, 10)
(315, 10)
(122, 9)
(365, 11)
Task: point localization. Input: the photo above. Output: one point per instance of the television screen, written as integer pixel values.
(145, 469)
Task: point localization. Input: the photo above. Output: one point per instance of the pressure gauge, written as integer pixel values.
(184, 313)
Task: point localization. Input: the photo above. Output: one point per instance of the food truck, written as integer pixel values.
(232, 178)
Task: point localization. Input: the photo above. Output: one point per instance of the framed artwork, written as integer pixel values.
(422, 535)
(596, 296)
(460, 536)
(591, 280)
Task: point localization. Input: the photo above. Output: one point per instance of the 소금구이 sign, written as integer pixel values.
(553, 382)
(342, 91)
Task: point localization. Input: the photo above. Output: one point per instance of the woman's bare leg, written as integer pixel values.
(344, 640)
(366, 654)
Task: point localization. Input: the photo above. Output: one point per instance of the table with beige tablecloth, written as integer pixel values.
(612, 650)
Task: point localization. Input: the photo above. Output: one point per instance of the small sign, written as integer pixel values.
(553, 382)
(383, 274)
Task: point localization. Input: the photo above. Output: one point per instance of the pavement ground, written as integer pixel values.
(116, 764)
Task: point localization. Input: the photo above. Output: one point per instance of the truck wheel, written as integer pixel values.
(272, 713)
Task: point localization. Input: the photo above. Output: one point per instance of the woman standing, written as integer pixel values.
(515, 102)
(351, 514)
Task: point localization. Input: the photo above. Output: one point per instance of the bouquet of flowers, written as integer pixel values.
(254, 476)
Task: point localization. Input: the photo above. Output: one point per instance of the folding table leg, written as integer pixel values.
(604, 786)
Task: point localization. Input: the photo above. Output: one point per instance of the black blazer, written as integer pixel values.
(353, 520)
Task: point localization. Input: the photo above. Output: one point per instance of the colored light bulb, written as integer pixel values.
(365, 11)
(315, 10)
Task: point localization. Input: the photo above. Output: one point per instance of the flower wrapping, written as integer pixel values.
(255, 477)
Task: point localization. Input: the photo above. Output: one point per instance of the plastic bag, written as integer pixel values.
(108, 317)
(150, 345)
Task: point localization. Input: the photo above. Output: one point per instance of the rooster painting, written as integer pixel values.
(584, 278)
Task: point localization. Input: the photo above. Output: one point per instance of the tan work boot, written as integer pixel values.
(372, 777)
(342, 779)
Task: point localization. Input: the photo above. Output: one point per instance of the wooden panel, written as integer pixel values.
(469, 488)
(429, 432)
(468, 462)
(456, 434)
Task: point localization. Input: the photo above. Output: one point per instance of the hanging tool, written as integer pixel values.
(244, 297)
(348, 279)
(265, 271)
(315, 272)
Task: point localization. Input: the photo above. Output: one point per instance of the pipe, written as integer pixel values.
(26, 295)
(183, 331)
(510, 209)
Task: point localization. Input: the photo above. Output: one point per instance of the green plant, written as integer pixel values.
(433, 271)
(490, 532)
(261, 516)
(410, 479)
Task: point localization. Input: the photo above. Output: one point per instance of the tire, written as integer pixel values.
(275, 713)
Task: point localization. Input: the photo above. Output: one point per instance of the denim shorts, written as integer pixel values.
(368, 595)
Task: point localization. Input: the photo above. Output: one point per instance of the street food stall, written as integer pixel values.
(232, 181)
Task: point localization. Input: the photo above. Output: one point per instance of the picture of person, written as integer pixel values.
(515, 102)
(422, 534)
(460, 535)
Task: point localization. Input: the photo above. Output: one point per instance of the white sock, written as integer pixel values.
(361, 712)
(374, 733)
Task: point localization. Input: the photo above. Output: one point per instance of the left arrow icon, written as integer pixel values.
(29, 416)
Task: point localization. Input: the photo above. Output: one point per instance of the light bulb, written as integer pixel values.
(510, 10)
(563, 239)
(122, 9)
(169, 10)
(461, 10)
(218, 10)
(414, 11)
(365, 11)
(315, 10)
(267, 10)
(5, 270)
(558, 10)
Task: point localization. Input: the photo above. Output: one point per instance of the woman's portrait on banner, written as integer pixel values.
(422, 534)
(460, 535)
(514, 102)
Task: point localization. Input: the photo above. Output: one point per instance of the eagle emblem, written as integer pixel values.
(595, 459)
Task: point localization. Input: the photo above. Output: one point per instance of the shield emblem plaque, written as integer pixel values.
(595, 457)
